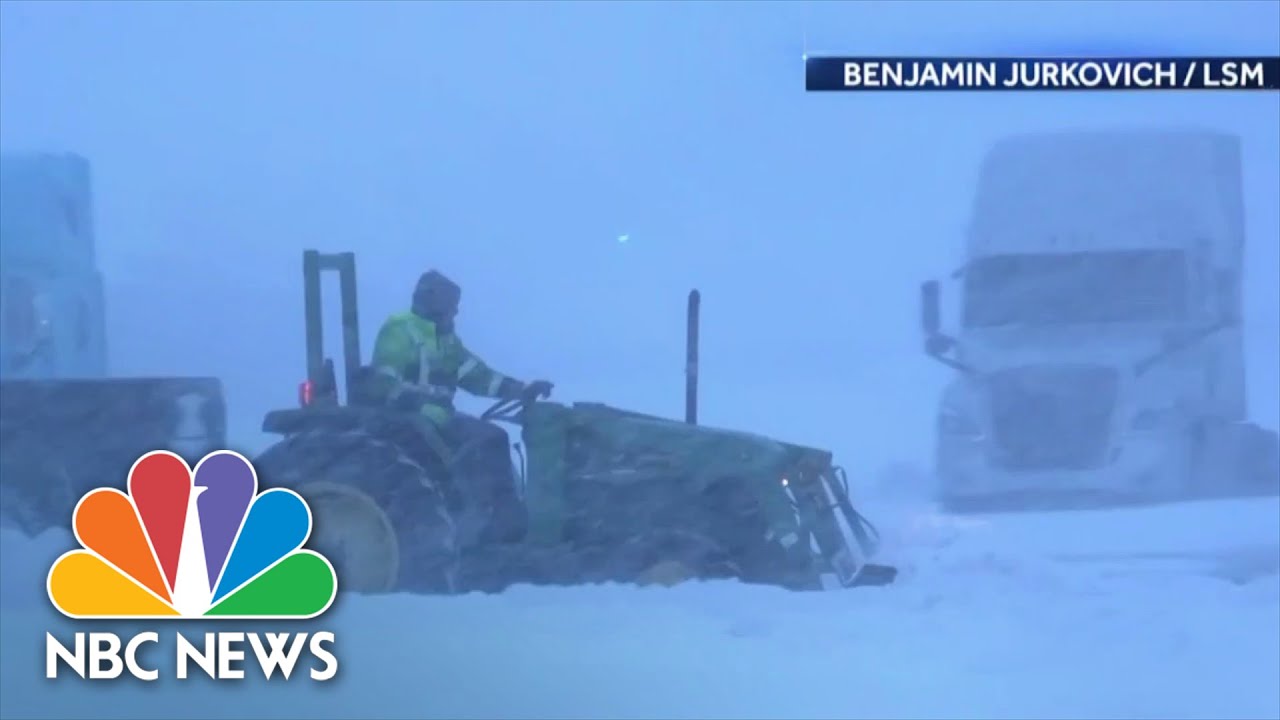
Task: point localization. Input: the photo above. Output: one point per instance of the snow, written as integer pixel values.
(1163, 612)
(223, 143)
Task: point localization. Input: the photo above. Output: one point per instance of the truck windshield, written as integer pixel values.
(1089, 287)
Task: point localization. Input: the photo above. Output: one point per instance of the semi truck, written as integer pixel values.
(1099, 349)
(51, 322)
(66, 424)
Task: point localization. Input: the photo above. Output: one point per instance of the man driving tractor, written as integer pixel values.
(420, 362)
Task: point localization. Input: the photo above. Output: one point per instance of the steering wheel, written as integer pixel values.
(510, 409)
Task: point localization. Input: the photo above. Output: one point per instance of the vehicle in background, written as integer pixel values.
(66, 426)
(52, 323)
(1099, 353)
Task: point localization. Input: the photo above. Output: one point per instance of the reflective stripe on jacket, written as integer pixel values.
(409, 352)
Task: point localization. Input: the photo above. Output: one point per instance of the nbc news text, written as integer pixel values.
(220, 655)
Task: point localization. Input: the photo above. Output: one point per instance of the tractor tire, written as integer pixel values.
(376, 514)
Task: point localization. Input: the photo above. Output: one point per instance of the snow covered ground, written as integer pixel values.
(1161, 612)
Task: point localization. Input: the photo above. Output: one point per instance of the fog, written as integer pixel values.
(512, 146)
(578, 168)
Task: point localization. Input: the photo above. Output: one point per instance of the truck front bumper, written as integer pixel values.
(1144, 468)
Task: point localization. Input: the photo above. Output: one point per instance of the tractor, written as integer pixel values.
(603, 494)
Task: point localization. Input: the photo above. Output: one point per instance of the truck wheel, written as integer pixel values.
(1260, 465)
(376, 514)
(1243, 461)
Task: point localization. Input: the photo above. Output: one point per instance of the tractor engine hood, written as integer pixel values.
(800, 497)
(656, 446)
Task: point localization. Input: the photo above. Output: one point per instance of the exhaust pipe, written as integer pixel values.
(691, 359)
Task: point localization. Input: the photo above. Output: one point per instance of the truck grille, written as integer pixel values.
(1047, 418)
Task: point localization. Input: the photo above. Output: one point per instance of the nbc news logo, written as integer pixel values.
(188, 545)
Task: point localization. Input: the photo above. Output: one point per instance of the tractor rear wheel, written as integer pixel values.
(376, 514)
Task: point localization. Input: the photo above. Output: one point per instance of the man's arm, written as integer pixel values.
(394, 352)
(478, 378)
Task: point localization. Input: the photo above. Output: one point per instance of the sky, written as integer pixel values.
(512, 146)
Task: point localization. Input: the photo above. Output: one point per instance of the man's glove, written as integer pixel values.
(539, 389)
(515, 390)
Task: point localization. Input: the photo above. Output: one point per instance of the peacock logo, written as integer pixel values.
(192, 544)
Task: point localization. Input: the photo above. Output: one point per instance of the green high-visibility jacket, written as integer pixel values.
(411, 354)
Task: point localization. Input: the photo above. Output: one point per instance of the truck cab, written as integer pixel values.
(51, 301)
(1099, 352)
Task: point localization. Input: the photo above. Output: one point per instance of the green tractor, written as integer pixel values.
(603, 495)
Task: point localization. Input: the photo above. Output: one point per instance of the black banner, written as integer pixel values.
(862, 74)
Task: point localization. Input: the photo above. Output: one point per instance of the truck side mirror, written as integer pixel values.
(930, 313)
(936, 344)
